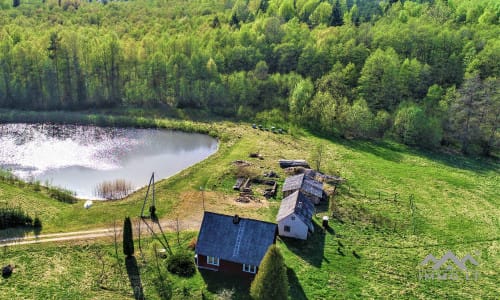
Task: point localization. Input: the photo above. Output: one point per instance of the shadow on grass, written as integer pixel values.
(311, 250)
(219, 283)
(296, 290)
(134, 277)
(392, 151)
(323, 206)
(11, 235)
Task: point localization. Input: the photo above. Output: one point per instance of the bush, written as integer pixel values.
(182, 264)
(62, 195)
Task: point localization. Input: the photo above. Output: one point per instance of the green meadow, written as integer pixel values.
(397, 206)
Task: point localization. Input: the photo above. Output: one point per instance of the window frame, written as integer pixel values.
(213, 260)
(249, 268)
(287, 227)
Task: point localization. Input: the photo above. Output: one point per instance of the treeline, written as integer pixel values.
(422, 72)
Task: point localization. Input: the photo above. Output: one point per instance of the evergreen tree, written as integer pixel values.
(128, 239)
(271, 281)
(337, 18)
(16, 3)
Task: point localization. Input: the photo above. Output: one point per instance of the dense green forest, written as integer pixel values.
(425, 73)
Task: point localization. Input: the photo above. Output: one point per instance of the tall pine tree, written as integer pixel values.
(128, 239)
(271, 281)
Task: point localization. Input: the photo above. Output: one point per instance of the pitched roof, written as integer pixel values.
(245, 242)
(298, 204)
(304, 183)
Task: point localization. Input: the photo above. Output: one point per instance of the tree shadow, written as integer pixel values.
(392, 151)
(323, 206)
(382, 149)
(311, 250)
(11, 235)
(134, 277)
(218, 282)
(296, 290)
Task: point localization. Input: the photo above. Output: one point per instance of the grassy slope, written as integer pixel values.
(456, 199)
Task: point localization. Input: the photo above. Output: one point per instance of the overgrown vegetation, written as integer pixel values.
(113, 190)
(61, 194)
(424, 73)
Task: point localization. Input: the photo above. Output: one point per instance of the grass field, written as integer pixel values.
(398, 206)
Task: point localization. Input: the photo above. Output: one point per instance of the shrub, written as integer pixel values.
(182, 264)
(62, 195)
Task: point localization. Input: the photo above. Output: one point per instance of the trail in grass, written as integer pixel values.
(167, 225)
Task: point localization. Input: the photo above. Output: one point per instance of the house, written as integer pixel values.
(233, 244)
(295, 216)
(308, 186)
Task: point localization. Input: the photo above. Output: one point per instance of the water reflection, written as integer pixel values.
(80, 157)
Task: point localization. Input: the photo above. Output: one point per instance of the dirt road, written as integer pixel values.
(167, 226)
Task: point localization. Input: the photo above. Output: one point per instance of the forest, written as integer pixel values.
(424, 73)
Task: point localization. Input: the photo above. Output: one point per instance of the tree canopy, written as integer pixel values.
(324, 65)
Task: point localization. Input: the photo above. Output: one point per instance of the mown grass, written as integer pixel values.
(456, 207)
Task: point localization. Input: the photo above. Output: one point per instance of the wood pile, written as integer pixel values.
(287, 163)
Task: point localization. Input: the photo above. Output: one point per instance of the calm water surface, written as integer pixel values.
(78, 158)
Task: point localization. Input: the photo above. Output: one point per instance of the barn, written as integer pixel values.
(295, 216)
(233, 244)
(310, 187)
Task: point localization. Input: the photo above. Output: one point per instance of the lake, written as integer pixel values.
(79, 158)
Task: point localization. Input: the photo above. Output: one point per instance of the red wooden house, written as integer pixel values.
(233, 244)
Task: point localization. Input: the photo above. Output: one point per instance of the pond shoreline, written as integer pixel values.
(79, 158)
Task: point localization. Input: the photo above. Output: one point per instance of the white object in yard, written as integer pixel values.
(87, 204)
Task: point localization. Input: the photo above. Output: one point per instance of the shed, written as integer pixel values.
(310, 187)
(295, 216)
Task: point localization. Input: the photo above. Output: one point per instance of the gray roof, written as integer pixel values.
(304, 183)
(298, 204)
(245, 242)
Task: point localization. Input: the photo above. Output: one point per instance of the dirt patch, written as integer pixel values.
(190, 207)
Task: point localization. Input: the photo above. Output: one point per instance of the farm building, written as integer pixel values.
(295, 216)
(308, 186)
(233, 244)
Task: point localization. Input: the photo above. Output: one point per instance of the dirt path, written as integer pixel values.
(167, 226)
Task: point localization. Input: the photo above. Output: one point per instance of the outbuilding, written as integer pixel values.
(310, 187)
(295, 216)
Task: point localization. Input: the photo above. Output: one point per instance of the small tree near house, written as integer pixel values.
(128, 239)
(271, 281)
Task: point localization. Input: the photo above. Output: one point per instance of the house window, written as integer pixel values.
(293, 218)
(287, 228)
(212, 260)
(249, 268)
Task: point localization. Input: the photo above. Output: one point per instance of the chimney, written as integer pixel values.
(236, 219)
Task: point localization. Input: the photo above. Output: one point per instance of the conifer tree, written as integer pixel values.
(271, 281)
(128, 239)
